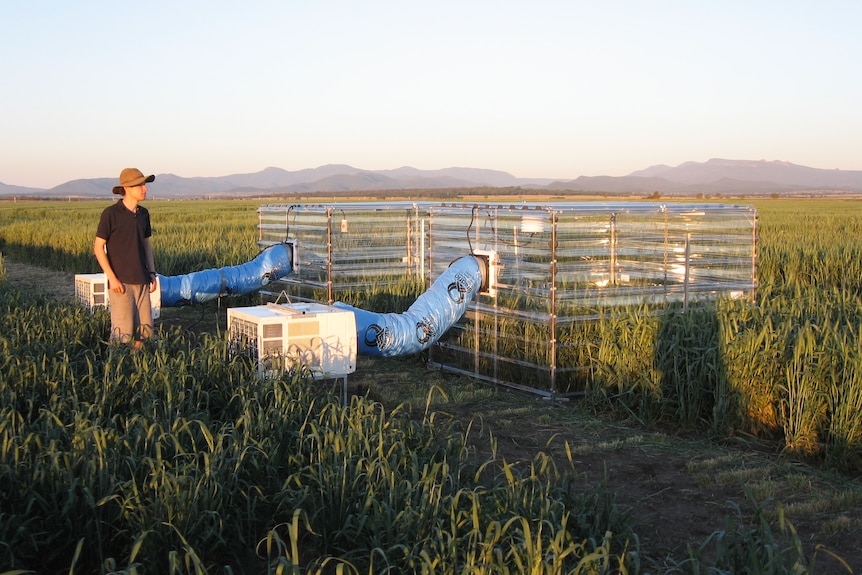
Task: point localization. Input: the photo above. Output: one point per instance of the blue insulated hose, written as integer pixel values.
(433, 312)
(197, 287)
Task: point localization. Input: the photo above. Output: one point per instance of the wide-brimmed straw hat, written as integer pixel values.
(132, 177)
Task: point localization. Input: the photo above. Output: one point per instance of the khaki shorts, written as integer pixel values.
(131, 314)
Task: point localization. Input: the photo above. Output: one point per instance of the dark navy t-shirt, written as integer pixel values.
(124, 232)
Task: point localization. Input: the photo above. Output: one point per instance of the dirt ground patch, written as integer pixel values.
(679, 488)
(58, 286)
(682, 489)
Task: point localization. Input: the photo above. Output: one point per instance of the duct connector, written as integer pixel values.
(271, 264)
(428, 318)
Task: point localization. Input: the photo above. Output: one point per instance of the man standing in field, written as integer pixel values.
(123, 250)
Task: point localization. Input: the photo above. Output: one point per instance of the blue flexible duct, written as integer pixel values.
(433, 312)
(271, 264)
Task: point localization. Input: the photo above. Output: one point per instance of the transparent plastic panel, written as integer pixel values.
(558, 265)
(345, 246)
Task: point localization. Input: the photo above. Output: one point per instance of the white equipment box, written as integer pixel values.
(281, 336)
(91, 291)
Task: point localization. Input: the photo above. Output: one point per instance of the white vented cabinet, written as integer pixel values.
(91, 291)
(283, 336)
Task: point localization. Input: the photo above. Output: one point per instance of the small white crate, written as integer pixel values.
(281, 336)
(91, 291)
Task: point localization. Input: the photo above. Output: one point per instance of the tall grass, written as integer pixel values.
(187, 236)
(784, 368)
(178, 459)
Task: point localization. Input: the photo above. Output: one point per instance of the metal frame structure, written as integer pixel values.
(341, 247)
(555, 266)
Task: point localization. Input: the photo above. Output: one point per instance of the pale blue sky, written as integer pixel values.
(537, 88)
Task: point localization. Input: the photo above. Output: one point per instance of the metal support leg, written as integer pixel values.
(344, 387)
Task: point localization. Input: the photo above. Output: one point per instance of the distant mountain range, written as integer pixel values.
(714, 177)
(726, 177)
